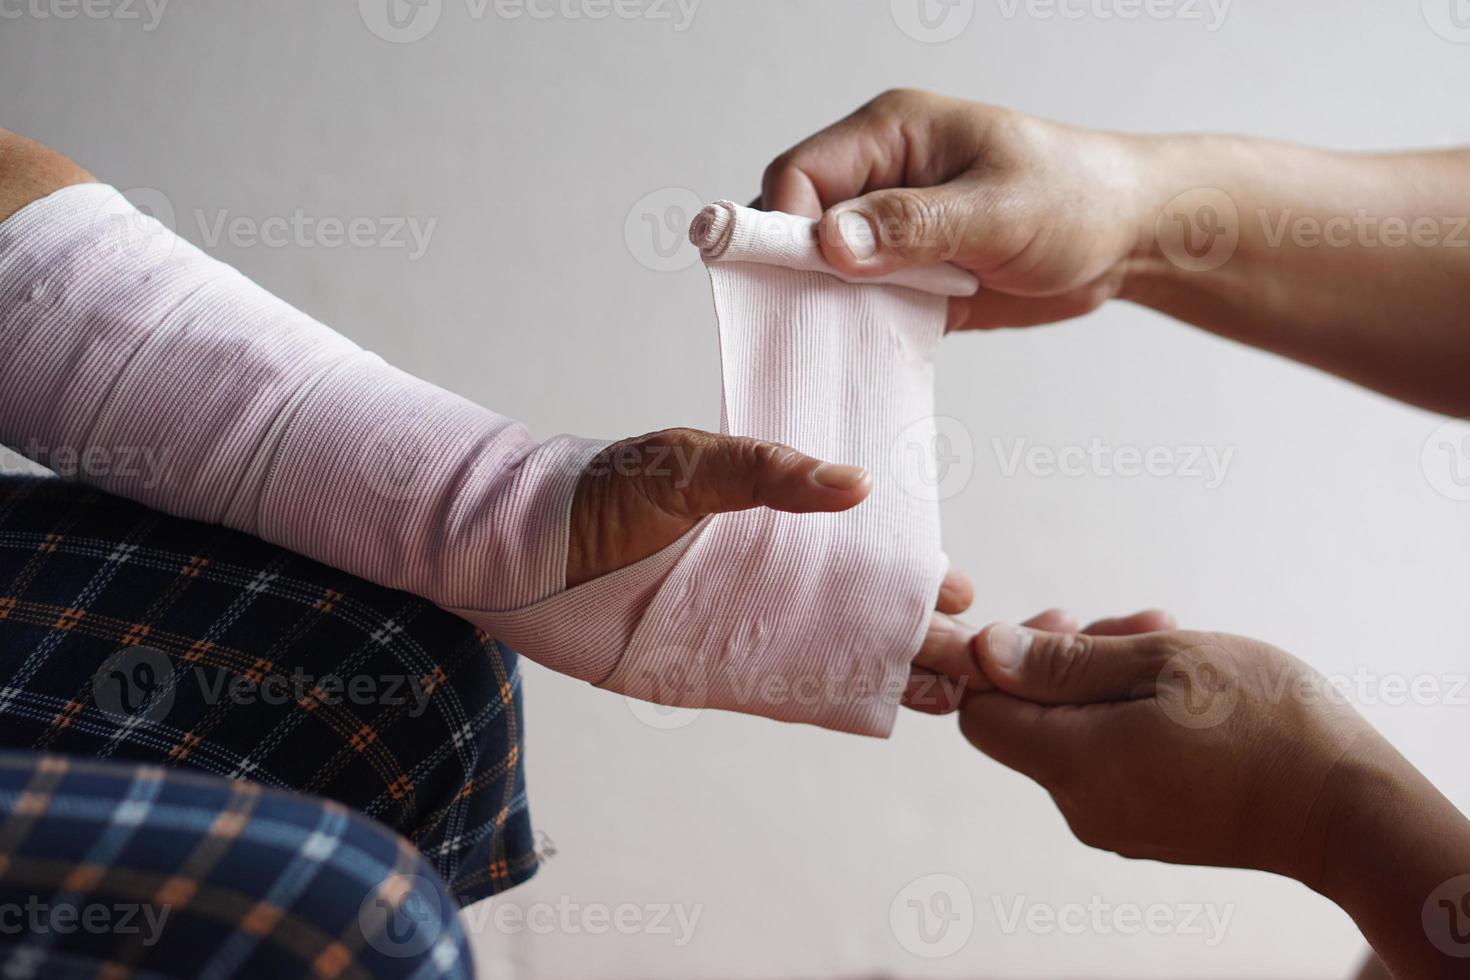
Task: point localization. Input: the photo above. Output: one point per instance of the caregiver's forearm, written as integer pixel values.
(1397, 859)
(1357, 264)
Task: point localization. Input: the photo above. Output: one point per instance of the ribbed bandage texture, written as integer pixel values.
(807, 617)
(131, 360)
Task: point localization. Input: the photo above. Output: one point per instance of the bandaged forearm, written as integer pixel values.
(131, 360)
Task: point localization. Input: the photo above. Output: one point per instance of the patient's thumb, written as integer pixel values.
(1069, 668)
(718, 474)
(892, 229)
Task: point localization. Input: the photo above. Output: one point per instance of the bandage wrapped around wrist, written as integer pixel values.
(120, 341)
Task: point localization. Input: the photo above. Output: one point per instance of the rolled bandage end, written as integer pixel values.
(727, 232)
(711, 229)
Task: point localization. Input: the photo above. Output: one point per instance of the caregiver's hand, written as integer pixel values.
(640, 495)
(1043, 214)
(1355, 263)
(1204, 748)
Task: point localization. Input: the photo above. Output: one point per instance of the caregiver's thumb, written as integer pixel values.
(1070, 668)
(894, 229)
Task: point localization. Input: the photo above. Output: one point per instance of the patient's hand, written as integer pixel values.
(640, 495)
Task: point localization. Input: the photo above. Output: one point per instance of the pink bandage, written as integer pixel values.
(116, 335)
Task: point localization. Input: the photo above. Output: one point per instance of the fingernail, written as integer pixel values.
(856, 232)
(836, 476)
(1007, 646)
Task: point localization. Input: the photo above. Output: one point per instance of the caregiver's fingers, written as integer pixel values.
(1033, 739)
(901, 138)
(991, 309)
(1147, 621)
(1053, 621)
(1071, 668)
(956, 592)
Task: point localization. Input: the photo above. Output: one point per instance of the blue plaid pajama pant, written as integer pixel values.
(266, 766)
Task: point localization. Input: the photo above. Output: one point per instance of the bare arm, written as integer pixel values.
(1356, 264)
(30, 171)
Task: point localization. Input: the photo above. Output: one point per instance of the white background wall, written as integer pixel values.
(531, 142)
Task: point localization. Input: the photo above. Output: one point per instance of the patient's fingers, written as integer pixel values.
(956, 592)
(946, 648)
(933, 694)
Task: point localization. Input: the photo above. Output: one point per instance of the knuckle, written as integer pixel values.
(778, 167)
(1067, 661)
(897, 98)
(1086, 831)
(766, 457)
(1015, 130)
(908, 221)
